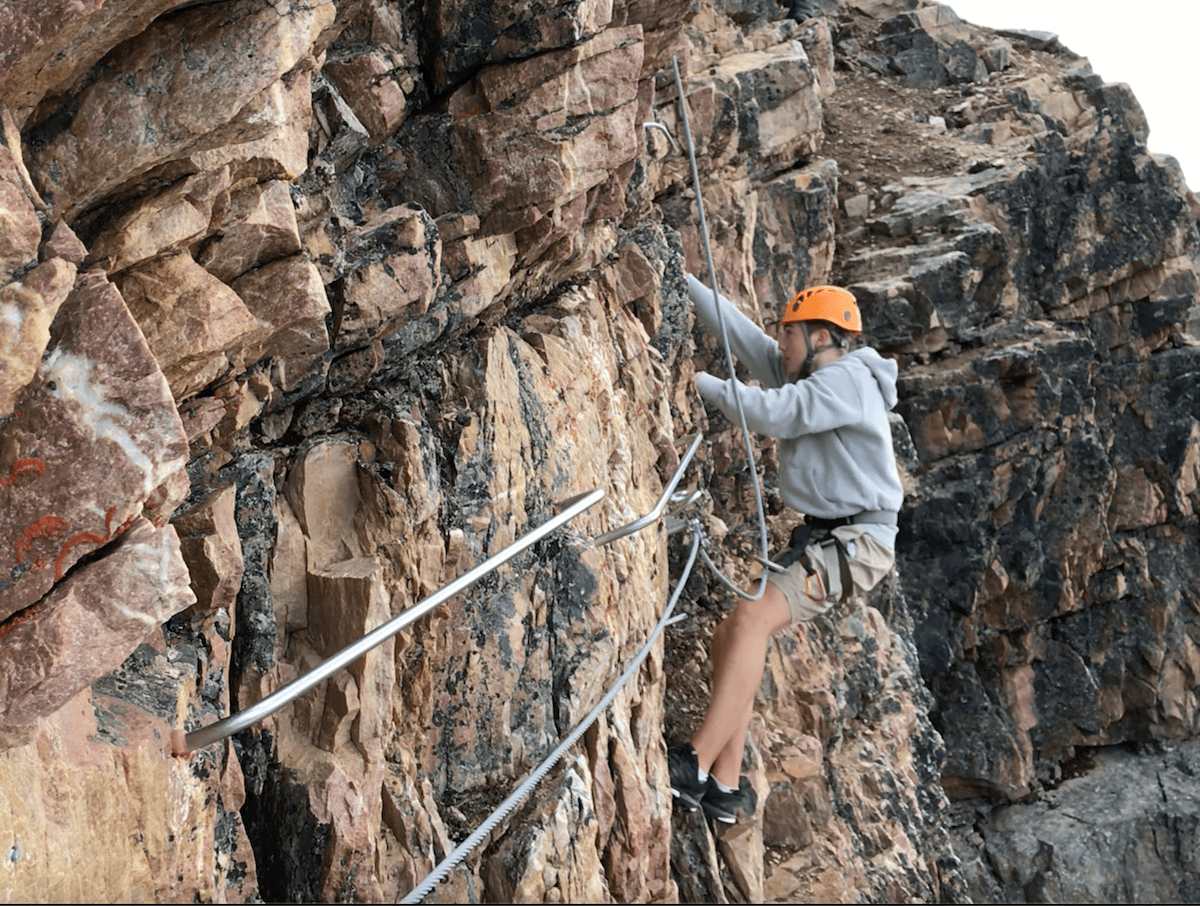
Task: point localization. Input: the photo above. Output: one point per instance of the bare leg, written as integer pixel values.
(739, 657)
(728, 765)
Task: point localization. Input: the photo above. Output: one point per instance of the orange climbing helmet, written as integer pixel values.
(825, 303)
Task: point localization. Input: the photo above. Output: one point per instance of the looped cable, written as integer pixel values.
(655, 124)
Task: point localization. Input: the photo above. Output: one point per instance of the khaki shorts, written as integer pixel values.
(870, 562)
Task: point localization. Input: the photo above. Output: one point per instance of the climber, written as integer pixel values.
(828, 406)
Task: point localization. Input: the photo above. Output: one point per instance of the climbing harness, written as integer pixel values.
(712, 282)
(835, 555)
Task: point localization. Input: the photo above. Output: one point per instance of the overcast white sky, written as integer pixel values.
(1150, 44)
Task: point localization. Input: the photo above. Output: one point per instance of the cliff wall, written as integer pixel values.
(309, 307)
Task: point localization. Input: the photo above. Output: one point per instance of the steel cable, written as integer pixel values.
(439, 873)
(712, 280)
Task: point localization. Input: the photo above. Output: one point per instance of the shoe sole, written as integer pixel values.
(723, 817)
(685, 800)
(691, 805)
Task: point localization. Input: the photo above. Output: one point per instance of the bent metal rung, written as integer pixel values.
(182, 743)
(638, 524)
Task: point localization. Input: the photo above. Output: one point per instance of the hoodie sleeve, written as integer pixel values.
(830, 399)
(747, 341)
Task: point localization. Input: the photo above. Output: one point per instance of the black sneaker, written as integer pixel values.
(685, 776)
(722, 806)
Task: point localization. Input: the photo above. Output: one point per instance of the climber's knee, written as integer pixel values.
(763, 616)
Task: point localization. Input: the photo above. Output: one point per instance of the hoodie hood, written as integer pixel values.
(884, 371)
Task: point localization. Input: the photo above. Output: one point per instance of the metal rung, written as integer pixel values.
(638, 524)
(771, 565)
(682, 498)
(182, 743)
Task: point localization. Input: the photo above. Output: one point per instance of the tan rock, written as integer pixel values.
(10, 137)
(564, 222)
(267, 140)
(511, 124)
(527, 867)
(63, 243)
(341, 137)
(741, 846)
(323, 492)
(212, 550)
(333, 738)
(818, 47)
(942, 24)
(1055, 100)
(288, 302)
(161, 223)
(481, 268)
(636, 863)
(174, 299)
(467, 38)
(422, 559)
(790, 125)
(191, 104)
(257, 226)
(289, 569)
(401, 270)
(875, 786)
(346, 601)
(1137, 501)
(78, 808)
(412, 819)
(88, 625)
(27, 308)
(375, 85)
(20, 229)
(343, 796)
(49, 44)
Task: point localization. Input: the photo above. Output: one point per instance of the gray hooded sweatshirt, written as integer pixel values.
(835, 442)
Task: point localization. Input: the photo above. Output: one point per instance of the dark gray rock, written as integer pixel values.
(1123, 831)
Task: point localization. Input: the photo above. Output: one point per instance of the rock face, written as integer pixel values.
(1137, 810)
(309, 307)
(1042, 344)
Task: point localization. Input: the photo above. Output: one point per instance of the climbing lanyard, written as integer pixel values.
(712, 282)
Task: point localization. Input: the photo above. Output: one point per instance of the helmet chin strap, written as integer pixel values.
(806, 365)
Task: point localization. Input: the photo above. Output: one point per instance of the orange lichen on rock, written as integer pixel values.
(29, 465)
(93, 538)
(48, 527)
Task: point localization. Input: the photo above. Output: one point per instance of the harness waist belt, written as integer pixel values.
(877, 517)
(801, 533)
